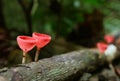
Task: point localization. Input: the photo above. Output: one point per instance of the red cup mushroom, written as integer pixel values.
(109, 38)
(101, 47)
(109, 49)
(42, 40)
(26, 43)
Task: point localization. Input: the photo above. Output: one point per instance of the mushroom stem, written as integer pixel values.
(37, 55)
(24, 58)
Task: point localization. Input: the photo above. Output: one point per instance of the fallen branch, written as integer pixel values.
(66, 67)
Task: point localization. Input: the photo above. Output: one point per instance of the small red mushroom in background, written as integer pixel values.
(42, 40)
(109, 38)
(26, 44)
(102, 47)
(109, 49)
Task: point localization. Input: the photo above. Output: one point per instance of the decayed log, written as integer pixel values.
(65, 67)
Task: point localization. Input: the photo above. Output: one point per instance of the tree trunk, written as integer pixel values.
(66, 67)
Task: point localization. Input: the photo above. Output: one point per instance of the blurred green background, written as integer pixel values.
(73, 25)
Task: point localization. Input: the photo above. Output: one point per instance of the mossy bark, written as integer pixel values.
(66, 67)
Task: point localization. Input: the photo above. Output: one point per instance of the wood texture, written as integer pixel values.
(65, 67)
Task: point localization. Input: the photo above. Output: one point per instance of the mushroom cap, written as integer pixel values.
(42, 39)
(26, 43)
(102, 47)
(109, 38)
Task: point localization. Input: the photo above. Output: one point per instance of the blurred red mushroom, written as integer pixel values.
(26, 43)
(42, 40)
(109, 49)
(101, 47)
(109, 38)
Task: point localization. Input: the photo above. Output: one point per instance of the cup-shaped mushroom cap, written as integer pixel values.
(26, 43)
(109, 38)
(102, 47)
(42, 39)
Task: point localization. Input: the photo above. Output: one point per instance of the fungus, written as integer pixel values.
(109, 49)
(42, 40)
(101, 47)
(26, 44)
(109, 38)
